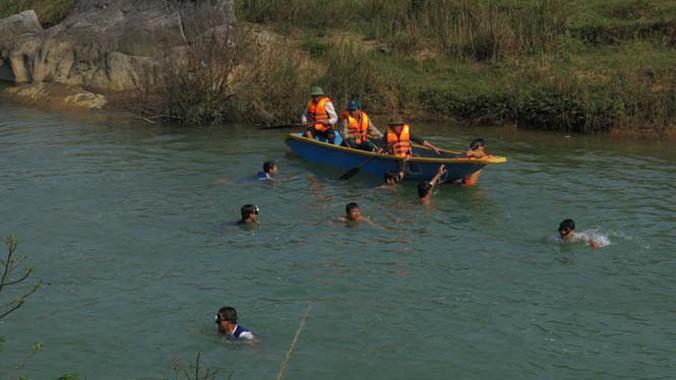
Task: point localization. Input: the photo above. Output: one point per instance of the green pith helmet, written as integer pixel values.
(396, 120)
(316, 91)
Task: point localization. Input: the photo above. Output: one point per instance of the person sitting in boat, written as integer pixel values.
(398, 138)
(269, 171)
(476, 150)
(567, 233)
(226, 319)
(358, 129)
(249, 214)
(320, 116)
(426, 188)
(353, 214)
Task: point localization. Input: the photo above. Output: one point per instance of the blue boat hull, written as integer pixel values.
(422, 166)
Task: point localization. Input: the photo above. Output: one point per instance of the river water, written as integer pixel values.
(131, 225)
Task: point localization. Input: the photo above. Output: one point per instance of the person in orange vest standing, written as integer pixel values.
(358, 129)
(398, 139)
(320, 116)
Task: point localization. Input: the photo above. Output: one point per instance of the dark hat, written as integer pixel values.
(354, 105)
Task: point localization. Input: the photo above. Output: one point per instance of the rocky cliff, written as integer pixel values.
(103, 46)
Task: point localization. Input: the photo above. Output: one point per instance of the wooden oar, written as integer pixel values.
(351, 173)
(284, 126)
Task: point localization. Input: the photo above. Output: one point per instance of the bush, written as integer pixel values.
(50, 12)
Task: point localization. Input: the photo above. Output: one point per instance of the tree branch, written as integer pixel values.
(19, 301)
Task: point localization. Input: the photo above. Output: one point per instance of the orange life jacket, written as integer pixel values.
(400, 145)
(358, 127)
(318, 114)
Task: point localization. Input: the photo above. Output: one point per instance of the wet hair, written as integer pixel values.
(226, 314)
(351, 206)
(249, 209)
(476, 143)
(567, 224)
(392, 176)
(424, 188)
(268, 165)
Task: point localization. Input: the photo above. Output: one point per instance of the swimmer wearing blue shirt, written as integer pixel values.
(269, 171)
(226, 319)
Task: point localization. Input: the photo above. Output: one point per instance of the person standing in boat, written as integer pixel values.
(476, 150)
(226, 319)
(320, 116)
(358, 129)
(398, 139)
(269, 171)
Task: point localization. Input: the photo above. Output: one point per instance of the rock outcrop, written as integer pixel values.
(105, 46)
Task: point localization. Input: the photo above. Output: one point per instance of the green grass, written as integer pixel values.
(575, 65)
(50, 12)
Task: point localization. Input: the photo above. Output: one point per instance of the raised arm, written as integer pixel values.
(435, 180)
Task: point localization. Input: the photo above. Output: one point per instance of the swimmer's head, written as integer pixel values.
(226, 314)
(351, 206)
(424, 189)
(270, 167)
(566, 227)
(392, 177)
(477, 143)
(248, 210)
(352, 211)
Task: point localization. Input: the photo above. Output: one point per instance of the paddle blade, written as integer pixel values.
(349, 174)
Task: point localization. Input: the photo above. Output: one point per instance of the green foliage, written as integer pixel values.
(546, 64)
(354, 73)
(50, 12)
(8, 265)
(316, 47)
(194, 87)
(69, 376)
(195, 371)
(272, 88)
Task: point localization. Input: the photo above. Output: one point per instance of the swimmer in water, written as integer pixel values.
(269, 171)
(353, 214)
(567, 233)
(426, 189)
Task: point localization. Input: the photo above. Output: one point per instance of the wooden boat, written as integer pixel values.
(422, 166)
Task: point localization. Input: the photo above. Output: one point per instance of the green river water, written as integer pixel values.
(131, 226)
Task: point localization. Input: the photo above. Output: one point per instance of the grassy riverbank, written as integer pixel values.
(567, 65)
(582, 66)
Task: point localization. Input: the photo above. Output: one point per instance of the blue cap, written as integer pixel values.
(354, 105)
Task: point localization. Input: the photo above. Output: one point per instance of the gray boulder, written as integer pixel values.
(107, 46)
